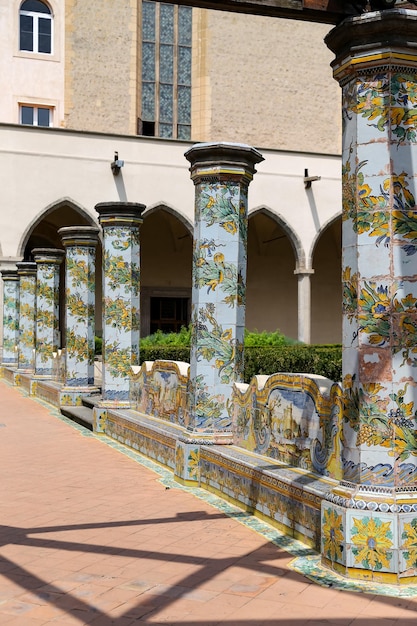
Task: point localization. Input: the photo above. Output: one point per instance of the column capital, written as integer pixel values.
(48, 255)
(371, 40)
(26, 268)
(9, 274)
(120, 213)
(303, 271)
(79, 235)
(222, 161)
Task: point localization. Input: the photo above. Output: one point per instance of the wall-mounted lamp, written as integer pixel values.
(309, 179)
(116, 165)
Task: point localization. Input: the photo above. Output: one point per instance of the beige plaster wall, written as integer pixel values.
(26, 77)
(43, 166)
(46, 168)
(101, 65)
(265, 81)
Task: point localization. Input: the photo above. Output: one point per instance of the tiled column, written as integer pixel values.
(10, 316)
(27, 315)
(304, 304)
(221, 173)
(121, 296)
(369, 524)
(48, 261)
(80, 244)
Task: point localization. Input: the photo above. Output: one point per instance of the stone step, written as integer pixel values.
(79, 414)
(91, 401)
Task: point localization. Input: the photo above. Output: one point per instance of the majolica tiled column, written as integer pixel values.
(369, 524)
(48, 261)
(221, 173)
(10, 316)
(120, 222)
(80, 244)
(27, 315)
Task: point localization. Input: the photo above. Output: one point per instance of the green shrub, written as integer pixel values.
(322, 360)
(265, 353)
(181, 339)
(164, 353)
(98, 345)
(264, 338)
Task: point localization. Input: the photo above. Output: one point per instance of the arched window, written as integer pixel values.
(35, 27)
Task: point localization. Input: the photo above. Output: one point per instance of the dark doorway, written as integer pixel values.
(169, 314)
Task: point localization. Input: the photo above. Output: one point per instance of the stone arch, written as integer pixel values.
(274, 252)
(326, 283)
(44, 226)
(42, 232)
(332, 220)
(166, 269)
(173, 211)
(293, 238)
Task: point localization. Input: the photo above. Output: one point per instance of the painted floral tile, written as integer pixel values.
(333, 528)
(372, 538)
(408, 541)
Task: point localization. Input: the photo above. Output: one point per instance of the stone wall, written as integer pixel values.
(101, 66)
(266, 82)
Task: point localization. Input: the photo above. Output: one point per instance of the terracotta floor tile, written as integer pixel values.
(120, 548)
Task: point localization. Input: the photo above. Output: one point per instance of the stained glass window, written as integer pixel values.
(166, 70)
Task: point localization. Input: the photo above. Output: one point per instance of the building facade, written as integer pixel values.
(83, 85)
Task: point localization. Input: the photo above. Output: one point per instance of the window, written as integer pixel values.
(166, 70)
(35, 27)
(35, 116)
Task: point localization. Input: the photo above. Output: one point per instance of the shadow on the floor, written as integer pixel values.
(149, 605)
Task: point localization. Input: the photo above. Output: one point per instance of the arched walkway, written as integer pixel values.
(166, 267)
(271, 283)
(43, 233)
(326, 285)
(43, 230)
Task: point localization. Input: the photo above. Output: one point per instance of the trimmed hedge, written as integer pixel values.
(164, 353)
(265, 353)
(322, 360)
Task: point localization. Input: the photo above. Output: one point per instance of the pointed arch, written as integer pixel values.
(293, 238)
(162, 206)
(273, 253)
(166, 268)
(326, 283)
(62, 203)
(319, 233)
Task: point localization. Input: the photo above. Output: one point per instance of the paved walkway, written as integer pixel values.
(90, 536)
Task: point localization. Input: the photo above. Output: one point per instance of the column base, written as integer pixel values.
(73, 396)
(100, 413)
(187, 453)
(370, 533)
(187, 463)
